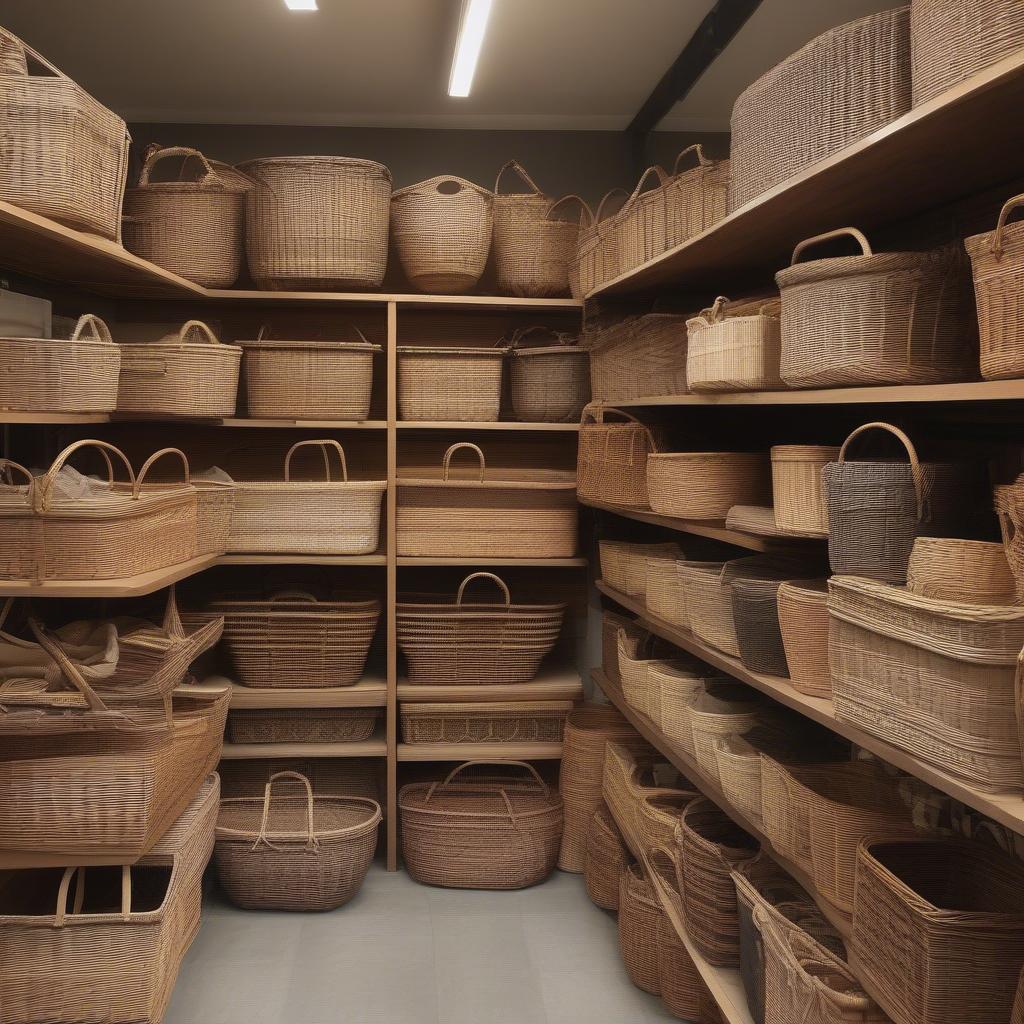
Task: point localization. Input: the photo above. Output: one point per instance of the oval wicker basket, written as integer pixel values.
(548, 383)
(965, 571)
(705, 485)
(696, 198)
(612, 458)
(737, 352)
(797, 495)
(449, 383)
(803, 623)
(639, 916)
(606, 859)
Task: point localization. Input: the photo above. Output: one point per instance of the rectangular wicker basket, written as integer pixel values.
(541, 721)
(731, 348)
(638, 357)
(450, 383)
(705, 485)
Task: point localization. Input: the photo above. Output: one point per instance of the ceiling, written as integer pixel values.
(546, 64)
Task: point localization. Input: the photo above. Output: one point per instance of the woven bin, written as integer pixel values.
(640, 228)
(875, 318)
(733, 352)
(179, 376)
(549, 383)
(612, 458)
(540, 721)
(192, 225)
(318, 517)
(643, 677)
(933, 678)
(679, 691)
(611, 624)
(317, 223)
(308, 380)
(606, 859)
(66, 155)
(638, 357)
(436, 384)
(797, 495)
(755, 613)
(78, 375)
(625, 564)
(639, 915)
(724, 709)
(964, 571)
(939, 929)
(501, 513)
(835, 90)
(803, 623)
(308, 853)
(697, 198)
(705, 485)
(665, 594)
(442, 231)
(301, 725)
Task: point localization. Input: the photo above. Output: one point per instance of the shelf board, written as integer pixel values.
(256, 559)
(248, 421)
(369, 692)
(130, 586)
(889, 175)
(381, 299)
(557, 682)
(1007, 809)
(486, 560)
(41, 418)
(471, 751)
(376, 746)
(489, 425)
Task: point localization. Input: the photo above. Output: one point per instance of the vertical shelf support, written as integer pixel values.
(392, 585)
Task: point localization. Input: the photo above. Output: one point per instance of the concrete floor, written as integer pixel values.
(402, 953)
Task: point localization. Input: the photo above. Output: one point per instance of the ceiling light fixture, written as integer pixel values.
(467, 48)
(301, 5)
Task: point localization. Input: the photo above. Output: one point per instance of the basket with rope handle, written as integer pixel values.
(641, 226)
(549, 383)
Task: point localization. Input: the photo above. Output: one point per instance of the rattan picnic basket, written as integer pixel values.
(191, 373)
(612, 458)
(625, 564)
(696, 198)
(705, 485)
(293, 853)
(964, 571)
(639, 916)
(321, 517)
(548, 383)
(734, 351)
(461, 383)
(538, 721)
(301, 725)
(66, 156)
(606, 859)
(803, 624)
(638, 357)
(317, 223)
(797, 495)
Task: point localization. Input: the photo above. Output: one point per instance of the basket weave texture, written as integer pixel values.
(301, 725)
(639, 916)
(625, 565)
(638, 357)
(803, 624)
(964, 571)
(606, 858)
(1009, 505)
(612, 458)
(696, 198)
(797, 495)
(548, 384)
(449, 383)
(705, 485)
(755, 612)
(485, 722)
(734, 352)
(597, 256)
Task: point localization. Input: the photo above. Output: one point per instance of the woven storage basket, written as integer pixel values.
(504, 513)
(658, 815)
(549, 383)
(711, 845)
(612, 458)
(605, 860)
(639, 916)
(308, 380)
(496, 833)
(638, 357)
(539, 721)
(192, 225)
(640, 228)
(724, 709)
(733, 353)
(665, 593)
(803, 623)
(625, 564)
(642, 677)
(77, 375)
(449, 383)
(875, 318)
(611, 623)
(442, 231)
(317, 223)
(697, 198)
(180, 376)
(939, 929)
(838, 88)
(1017, 1016)
(114, 530)
(294, 852)
(66, 156)
(964, 571)
(597, 250)
(705, 485)
(318, 517)
(301, 725)
(755, 613)
(933, 678)
(1009, 506)
(797, 495)
(678, 979)
(679, 691)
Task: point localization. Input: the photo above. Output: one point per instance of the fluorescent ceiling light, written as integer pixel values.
(467, 48)
(300, 5)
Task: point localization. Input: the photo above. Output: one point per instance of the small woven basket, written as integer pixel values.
(803, 624)
(724, 709)
(705, 485)
(606, 859)
(639, 916)
(966, 571)
(797, 495)
(612, 459)
(665, 593)
(449, 383)
(638, 357)
(548, 383)
(734, 352)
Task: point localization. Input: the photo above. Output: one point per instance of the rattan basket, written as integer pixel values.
(705, 485)
(449, 383)
(597, 257)
(294, 852)
(738, 352)
(611, 623)
(964, 571)
(317, 223)
(755, 614)
(638, 357)
(875, 318)
(178, 376)
(625, 564)
(548, 383)
(797, 495)
(803, 623)
(539, 721)
(678, 692)
(697, 198)
(301, 725)
(442, 232)
(612, 458)
(1008, 500)
(642, 676)
(723, 709)
(320, 517)
(606, 859)
(639, 916)
(348, 776)
(665, 593)
(678, 978)
(640, 228)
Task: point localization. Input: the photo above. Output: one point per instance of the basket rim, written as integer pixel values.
(493, 707)
(338, 161)
(331, 346)
(224, 832)
(550, 350)
(450, 350)
(978, 613)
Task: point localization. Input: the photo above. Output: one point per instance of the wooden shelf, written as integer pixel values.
(131, 586)
(485, 560)
(246, 421)
(1007, 809)
(552, 683)
(369, 692)
(381, 299)
(569, 428)
(888, 176)
(471, 751)
(43, 418)
(245, 559)
(376, 746)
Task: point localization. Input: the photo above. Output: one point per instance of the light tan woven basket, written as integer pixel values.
(638, 357)
(642, 676)
(705, 485)
(640, 228)
(804, 624)
(964, 571)
(301, 725)
(180, 376)
(665, 593)
(548, 383)
(317, 222)
(709, 604)
(606, 858)
(539, 721)
(723, 709)
(55, 375)
(66, 155)
(737, 352)
(597, 256)
(796, 486)
(449, 383)
(325, 517)
(695, 199)
(1009, 506)
(625, 564)
(349, 776)
(612, 458)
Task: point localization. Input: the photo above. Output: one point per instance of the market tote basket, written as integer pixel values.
(612, 459)
(550, 383)
(294, 852)
(493, 832)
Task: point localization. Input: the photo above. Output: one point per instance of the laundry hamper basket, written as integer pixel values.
(705, 485)
(639, 916)
(638, 357)
(66, 156)
(449, 383)
(606, 859)
(803, 624)
(696, 198)
(962, 571)
(549, 383)
(190, 374)
(294, 852)
(797, 496)
(317, 223)
(301, 725)
(320, 517)
(736, 351)
(501, 513)
(539, 721)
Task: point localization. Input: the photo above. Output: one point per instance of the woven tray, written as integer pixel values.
(485, 722)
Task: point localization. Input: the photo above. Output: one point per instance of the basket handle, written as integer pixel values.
(447, 463)
(137, 487)
(95, 326)
(504, 764)
(45, 499)
(559, 337)
(484, 576)
(67, 666)
(434, 185)
(515, 165)
(325, 444)
(172, 624)
(584, 209)
(915, 465)
(294, 595)
(600, 215)
(598, 417)
(206, 335)
(996, 245)
(78, 873)
(698, 149)
(312, 843)
(713, 314)
(858, 236)
(6, 465)
(658, 172)
(157, 153)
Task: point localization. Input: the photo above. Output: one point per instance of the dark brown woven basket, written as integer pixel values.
(639, 916)
(606, 859)
(755, 613)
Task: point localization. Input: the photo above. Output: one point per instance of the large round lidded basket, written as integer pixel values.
(549, 383)
(317, 222)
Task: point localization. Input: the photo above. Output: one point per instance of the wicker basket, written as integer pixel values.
(454, 643)
(1009, 506)
(179, 376)
(838, 88)
(612, 459)
(678, 692)
(885, 318)
(539, 721)
(442, 231)
(803, 623)
(606, 859)
(755, 613)
(733, 352)
(640, 228)
(1017, 1016)
(549, 383)
(611, 623)
(625, 565)
(349, 776)
(193, 225)
(665, 593)
(301, 725)
(705, 485)
(724, 709)
(496, 833)
(933, 678)
(964, 571)
(308, 380)
(643, 676)
(437, 384)
(797, 495)
(638, 357)
(678, 978)
(66, 156)
(695, 199)
(317, 223)
(597, 256)
(321, 517)
(507, 513)
(78, 375)
(639, 916)
(306, 852)
(939, 929)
